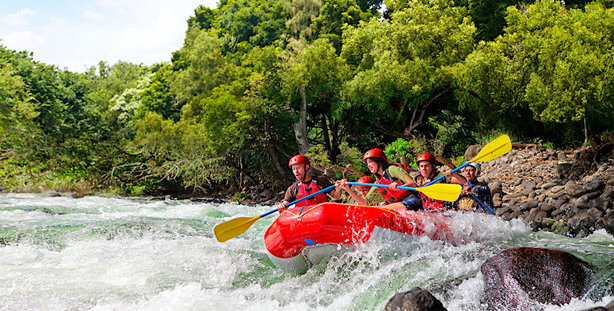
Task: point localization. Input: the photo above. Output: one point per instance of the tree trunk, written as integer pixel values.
(300, 128)
(417, 120)
(327, 143)
(585, 131)
(275, 160)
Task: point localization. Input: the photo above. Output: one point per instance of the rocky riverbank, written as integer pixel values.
(568, 192)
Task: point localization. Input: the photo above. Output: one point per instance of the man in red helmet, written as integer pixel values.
(387, 174)
(306, 184)
(427, 173)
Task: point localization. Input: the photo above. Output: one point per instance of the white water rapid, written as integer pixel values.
(111, 253)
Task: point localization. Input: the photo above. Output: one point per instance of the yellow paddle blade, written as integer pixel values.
(494, 149)
(444, 192)
(232, 228)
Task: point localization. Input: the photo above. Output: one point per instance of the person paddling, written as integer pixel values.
(478, 188)
(306, 184)
(388, 174)
(427, 173)
(360, 197)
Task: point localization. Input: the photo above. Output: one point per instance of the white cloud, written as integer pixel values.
(56, 21)
(19, 18)
(20, 41)
(93, 15)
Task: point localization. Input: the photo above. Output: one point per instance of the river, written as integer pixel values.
(114, 253)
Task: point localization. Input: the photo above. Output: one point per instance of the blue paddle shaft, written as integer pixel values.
(482, 203)
(379, 185)
(444, 176)
(301, 199)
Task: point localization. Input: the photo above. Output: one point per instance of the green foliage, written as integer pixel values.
(400, 148)
(239, 197)
(228, 111)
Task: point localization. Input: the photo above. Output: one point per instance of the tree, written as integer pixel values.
(553, 63)
(403, 65)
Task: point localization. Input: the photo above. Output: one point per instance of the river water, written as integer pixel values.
(112, 253)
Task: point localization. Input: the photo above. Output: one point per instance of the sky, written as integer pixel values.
(77, 34)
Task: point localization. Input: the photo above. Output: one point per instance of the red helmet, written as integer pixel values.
(374, 153)
(299, 159)
(426, 157)
(366, 180)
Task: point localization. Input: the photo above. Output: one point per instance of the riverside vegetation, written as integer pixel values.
(257, 82)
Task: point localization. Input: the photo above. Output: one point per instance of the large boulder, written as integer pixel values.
(516, 276)
(416, 299)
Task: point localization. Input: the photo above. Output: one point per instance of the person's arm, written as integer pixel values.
(335, 194)
(456, 178)
(342, 184)
(288, 197)
(400, 174)
(373, 197)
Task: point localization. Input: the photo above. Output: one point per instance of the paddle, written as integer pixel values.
(482, 203)
(444, 192)
(492, 150)
(234, 227)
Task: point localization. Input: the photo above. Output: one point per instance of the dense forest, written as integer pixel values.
(259, 81)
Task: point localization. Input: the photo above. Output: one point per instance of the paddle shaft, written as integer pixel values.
(444, 176)
(379, 185)
(482, 203)
(299, 200)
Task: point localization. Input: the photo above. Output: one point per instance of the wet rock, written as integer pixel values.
(548, 185)
(595, 212)
(609, 307)
(528, 186)
(563, 169)
(581, 202)
(557, 189)
(542, 275)
(496, 188)
(574, 190)
(594, 186)
(546, 207)
(559, 202)
(415, 299)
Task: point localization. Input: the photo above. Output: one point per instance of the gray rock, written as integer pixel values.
(528, 184)
(416, 299)
(607, 194)
(510, 278)
(589, 196)
(582, 202)
(563, 168)
(546, 207)
(594, 186)
(556, 189)
(561, 156)
(595, 212)
(559, 202)
(529, 205)
(548, 185)
(540, 216)
(575, 191)
(496, 188)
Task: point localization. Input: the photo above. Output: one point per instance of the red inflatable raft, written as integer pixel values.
(302, 237)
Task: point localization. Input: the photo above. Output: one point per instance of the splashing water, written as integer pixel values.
(108, 253)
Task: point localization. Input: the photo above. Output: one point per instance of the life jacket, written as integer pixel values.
(429, 204)
(305, 189)
(392, 196)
